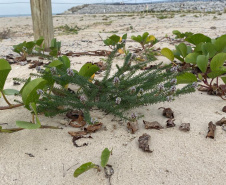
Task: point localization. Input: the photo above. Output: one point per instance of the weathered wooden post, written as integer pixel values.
(41, 11)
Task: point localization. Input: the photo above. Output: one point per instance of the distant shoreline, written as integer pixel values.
(21, 15)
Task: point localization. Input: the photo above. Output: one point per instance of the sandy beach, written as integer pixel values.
(178, 158)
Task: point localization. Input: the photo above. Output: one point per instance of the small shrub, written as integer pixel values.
(5, 34)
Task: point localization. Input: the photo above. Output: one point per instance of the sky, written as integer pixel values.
(20, 7)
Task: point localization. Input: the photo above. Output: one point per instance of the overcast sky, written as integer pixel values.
(10, 7)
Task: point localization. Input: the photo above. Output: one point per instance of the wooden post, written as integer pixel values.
(41, 11)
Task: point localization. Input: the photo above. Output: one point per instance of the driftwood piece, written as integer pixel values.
(152, 125)
(143, 142)
(211, 130)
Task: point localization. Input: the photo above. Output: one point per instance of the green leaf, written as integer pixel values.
(144, 36)
(137, 39)
(200, 76)
(191, 58)
(224, 79)
(108, 42)
(198, 48)
(176, 32)
(124, 36)
(83, 168)
(29, 125)
(186, 78)
(28, 80)
(65, 60)
(30, 45)
(208, 48)
(105, 157)
(115, 38)
(5, 68)
(53, 43)
(10, 91)
(55, 63)
(29, 93)
(167, 53)
(215, 74)
(202, 62)
(217, 61)
(88, 69)
(220, 43)
(39, 41)
(182, 48)
(198, 38)
(53, 53)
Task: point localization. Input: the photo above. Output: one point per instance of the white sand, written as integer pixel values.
(177, 158)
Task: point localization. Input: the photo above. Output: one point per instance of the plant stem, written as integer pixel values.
(11, 106)
(19, 129)
(33, 118)
(5, 98)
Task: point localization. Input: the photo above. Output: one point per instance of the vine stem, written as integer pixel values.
(19, 129)
(5, 98)
(11, 106)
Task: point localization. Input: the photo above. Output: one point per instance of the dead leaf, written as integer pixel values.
(167, 112)
(221, 122)
(185, 127)
(143, 142)
(35, 63)
(152, 125)
(132, 126)
(80, 122)
(93, 128)
(224, 109)
(211, 130)
(148, 67)
(101, 65)
(170, 123)
(74, 114)
(75, 138)
(79, 133)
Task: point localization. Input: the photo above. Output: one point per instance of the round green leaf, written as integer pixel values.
(208, 48)
(105, 157)
(202, 62)
(5, 68)
(220, 43)
(218, 61)
(168, 54)
(191, 58)
(88, 69)
(29, 93)
(198, 38)
(186, 78)
(183, 49)
(10, 91)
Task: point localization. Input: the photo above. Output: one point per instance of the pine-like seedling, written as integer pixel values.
(129, 87)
